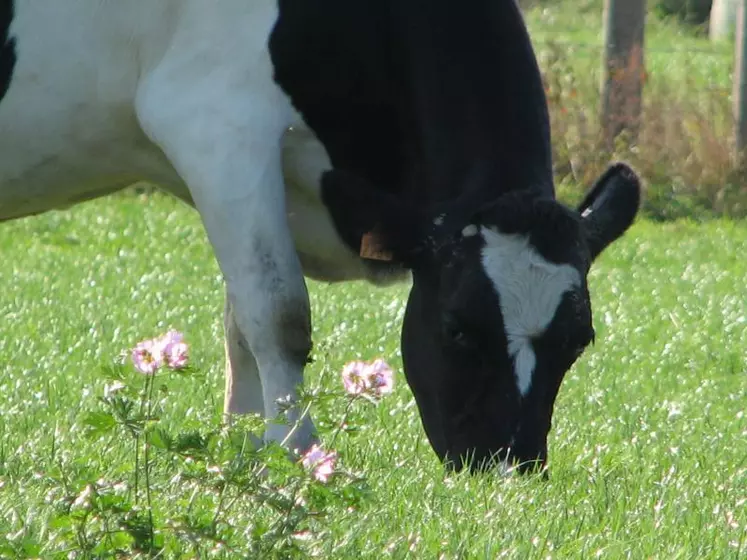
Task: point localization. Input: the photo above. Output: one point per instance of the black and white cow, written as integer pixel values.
(298, 127)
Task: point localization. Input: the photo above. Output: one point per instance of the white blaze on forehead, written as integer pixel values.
(530, 289)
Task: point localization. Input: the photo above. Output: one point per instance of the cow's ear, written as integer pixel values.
(610, 207)
(376, 223)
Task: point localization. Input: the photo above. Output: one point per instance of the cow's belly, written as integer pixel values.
(38, 174)
(46, 166)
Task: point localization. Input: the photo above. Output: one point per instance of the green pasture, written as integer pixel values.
(648, 453)
(648, 450)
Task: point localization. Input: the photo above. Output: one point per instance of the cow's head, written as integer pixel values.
(499, 308)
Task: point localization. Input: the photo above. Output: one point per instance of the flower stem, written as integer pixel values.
(344, 420)
(149, 388)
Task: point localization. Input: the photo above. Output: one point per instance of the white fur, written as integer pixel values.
(470, 230)
(530, 290)
(180, 93)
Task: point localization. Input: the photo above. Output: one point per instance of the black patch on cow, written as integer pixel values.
(425, 99)
(434, 116)
(8, 49)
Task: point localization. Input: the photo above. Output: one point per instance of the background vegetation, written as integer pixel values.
(648, 450)
(685, 144)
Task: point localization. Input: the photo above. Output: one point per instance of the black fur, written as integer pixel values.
(434, 117)
(611, 204)
(8, 49)
(426, 99)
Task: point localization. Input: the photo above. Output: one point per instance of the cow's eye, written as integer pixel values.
(455, 333)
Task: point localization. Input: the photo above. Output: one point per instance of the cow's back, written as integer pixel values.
(68, 128)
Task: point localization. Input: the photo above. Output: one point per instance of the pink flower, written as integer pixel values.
(177, 355)
(165, 340)
(174, 351)
(354, 376)
(171, 337)
(170, 350)
(380, 378)
(147, 357)
(320, 462)
(373, 379)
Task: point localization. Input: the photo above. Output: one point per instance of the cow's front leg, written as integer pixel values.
(226, 145)
(243, 393)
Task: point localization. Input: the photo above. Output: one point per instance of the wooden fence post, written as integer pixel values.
(723, 16)
(739, 94)
(624, 70)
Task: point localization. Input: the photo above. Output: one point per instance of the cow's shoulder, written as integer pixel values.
(333, 59)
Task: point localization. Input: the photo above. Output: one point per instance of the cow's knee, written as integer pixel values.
(294, 331)
(278, 331)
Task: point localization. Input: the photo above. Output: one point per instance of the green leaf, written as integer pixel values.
(31, 549)
(113, 371)
(190, 443)
(99, 423)
(160, 439)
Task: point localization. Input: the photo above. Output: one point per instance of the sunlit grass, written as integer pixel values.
(648, 450)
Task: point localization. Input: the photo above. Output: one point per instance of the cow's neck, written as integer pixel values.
(425, 98)
(477, 97)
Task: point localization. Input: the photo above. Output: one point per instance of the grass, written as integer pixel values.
(648, 450)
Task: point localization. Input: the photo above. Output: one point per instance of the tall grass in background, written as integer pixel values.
(684, 148)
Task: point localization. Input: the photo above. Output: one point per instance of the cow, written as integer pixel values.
(383, 140)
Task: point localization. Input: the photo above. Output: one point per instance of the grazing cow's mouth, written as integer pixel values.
(477, 460)
(503, 467)
(501, 460)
